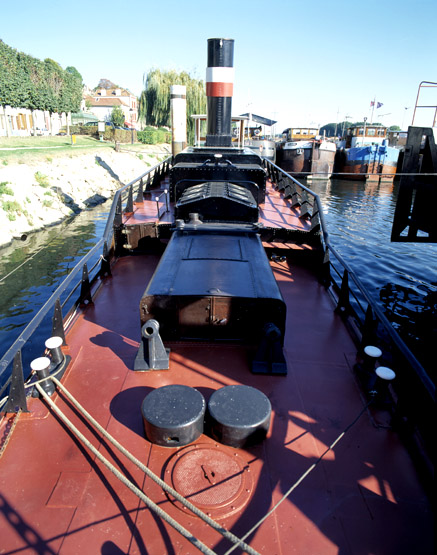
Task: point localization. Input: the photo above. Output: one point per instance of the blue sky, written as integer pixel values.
(299, 62)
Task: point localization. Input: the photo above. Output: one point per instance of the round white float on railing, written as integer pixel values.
(39, 364)
(385, 373)
(373, 352)
(53, 342)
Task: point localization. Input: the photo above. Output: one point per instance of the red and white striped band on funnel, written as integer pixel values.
(219, 89)
(219, 81)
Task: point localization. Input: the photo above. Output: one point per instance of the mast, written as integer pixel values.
(373, 109)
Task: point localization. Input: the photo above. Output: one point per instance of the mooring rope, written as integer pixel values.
(238, 542)
(208, 520)
(31, 384)
(303, 476)
(150, 504)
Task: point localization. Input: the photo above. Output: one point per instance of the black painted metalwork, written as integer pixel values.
(162, 198)
(369, 335)
(105, 266)
(130, 201)
(269, 358)
(414, 219)
(85, 288)
(197, 166)
(343, 304)
(152, 355)
(140, 195)
(219, 104)
(218, 201)
(304, 207)
(58, 321)
(173, 415)
(17, 394)
(238, 415)
(412, 382)
(214, 283)
(103, 262)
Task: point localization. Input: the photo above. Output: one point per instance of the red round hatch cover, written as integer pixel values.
(216, 481)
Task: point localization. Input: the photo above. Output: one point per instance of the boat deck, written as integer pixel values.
(276, 212)
(356, 500)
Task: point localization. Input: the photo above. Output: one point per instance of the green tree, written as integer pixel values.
(26, 82)
(330, 129)
(117, 116)
(73, 71)
(154, 103)
(335, 129)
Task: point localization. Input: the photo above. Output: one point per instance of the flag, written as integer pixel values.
(372, 103)
(379, 104)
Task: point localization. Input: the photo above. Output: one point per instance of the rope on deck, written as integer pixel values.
(304, 475)
(141, 495)
(215, 525)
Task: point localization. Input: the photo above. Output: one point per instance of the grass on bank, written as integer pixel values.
(45, 141)
(21, 150)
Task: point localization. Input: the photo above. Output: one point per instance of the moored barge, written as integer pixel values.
(365, 154)
(303, 153)
(212, 388)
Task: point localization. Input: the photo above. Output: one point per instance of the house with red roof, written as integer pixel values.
(101, 102)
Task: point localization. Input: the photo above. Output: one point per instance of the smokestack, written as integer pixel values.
(178, 110)
(219, 90)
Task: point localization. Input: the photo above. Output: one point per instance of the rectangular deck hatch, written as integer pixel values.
(213, 286)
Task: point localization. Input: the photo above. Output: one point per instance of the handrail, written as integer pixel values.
(36, 320)
(108, 232)
(317, 200)
(106, 239)
(424, 84)
(394, 336)
(400, 344)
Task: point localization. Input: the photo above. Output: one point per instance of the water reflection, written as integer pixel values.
(401, 277)
(414, 316)
(30, 271)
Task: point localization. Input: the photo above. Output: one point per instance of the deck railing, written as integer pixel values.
(353, 300)
(85, 275)
(368, 321)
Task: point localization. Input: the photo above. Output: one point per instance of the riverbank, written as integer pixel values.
(37, 193)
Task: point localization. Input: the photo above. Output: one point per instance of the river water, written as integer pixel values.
(400, 276)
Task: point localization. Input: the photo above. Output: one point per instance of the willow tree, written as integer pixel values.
(154, 105)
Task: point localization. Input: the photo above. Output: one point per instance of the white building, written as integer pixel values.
(21, 122)
(101, 103)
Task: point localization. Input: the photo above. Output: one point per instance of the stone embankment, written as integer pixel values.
(38, 194)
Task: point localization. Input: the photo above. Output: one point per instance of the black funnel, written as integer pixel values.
(219, 90)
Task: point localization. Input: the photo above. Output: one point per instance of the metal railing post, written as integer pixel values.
(58, 321)
(85, 288)
(140, 195)
(17, 394)
(343, 304)
(130, 201)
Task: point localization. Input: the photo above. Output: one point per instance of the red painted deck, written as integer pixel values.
(275, 212)
(364, 497)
